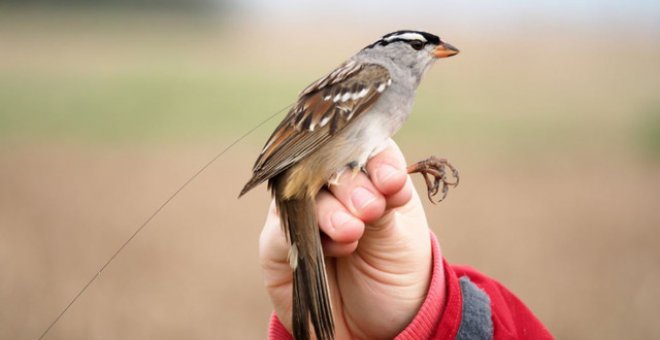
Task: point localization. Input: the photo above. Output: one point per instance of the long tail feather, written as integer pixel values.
(310, 284)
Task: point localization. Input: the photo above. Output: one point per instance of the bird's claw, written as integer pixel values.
(436, 167)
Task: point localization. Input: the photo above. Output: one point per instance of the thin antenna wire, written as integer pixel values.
(156, 212)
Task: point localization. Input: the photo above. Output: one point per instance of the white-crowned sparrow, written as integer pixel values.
(338, 123)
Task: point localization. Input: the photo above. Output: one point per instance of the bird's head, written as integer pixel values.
(415, 50)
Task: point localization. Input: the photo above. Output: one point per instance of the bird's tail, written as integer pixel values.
(311, 297)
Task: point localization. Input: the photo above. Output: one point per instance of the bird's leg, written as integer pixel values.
(334, 180)
(436, 167)
(356, 168)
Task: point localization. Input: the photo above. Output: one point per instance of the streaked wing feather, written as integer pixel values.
(323, 109)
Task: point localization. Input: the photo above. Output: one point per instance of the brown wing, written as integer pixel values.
(323, 109)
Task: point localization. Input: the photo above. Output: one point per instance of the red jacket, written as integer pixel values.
(475, 307)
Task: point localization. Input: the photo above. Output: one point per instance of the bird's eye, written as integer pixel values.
(417, 44)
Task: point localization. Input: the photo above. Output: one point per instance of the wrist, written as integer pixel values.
(428, 315)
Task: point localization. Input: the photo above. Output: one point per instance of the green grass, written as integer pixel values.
(170, 104)
(649, 133)
(139, 106)
(134, 106)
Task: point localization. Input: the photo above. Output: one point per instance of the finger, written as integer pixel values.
(389, 175)
(387, 169)
(341, 228)
(359, 196)
(273, 256)
(401, 197)
(337, 249)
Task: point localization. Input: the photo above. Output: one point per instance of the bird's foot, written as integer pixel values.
(436, 167)
(356, 168)
(334, 180)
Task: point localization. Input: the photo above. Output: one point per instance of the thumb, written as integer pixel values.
(274, 250)
(387, 171)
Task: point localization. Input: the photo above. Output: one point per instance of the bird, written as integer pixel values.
(337, 124)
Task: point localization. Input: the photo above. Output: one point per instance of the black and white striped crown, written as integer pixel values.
(407, 36)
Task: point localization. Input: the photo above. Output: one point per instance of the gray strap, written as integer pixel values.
(476, 321)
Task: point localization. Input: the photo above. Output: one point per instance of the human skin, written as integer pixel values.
(377, 246)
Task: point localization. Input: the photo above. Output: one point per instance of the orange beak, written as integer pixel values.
(445, 50)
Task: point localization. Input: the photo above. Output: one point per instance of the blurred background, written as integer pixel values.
(551, 113)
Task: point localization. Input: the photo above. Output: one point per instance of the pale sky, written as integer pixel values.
(642, 14)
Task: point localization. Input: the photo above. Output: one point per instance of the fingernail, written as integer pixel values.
(361, 197)
(385, 172)
(340, 218)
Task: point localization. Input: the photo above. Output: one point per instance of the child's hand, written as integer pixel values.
(377, 246)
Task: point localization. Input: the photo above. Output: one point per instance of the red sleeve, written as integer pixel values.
(277, 331)
(439, 317)
(511, 318)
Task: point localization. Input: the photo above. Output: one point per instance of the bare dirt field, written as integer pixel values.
(574, 236)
